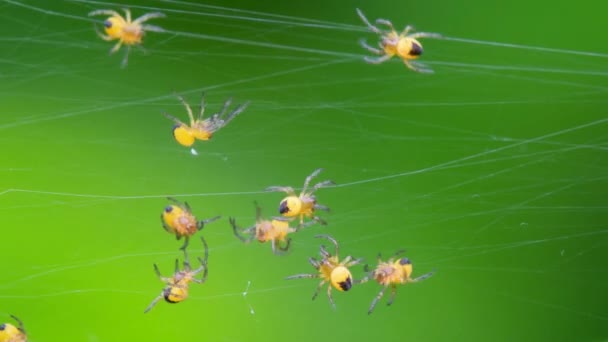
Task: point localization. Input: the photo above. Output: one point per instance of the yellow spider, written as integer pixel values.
(305, 204)
(331, 270)
(11, 333)
(177, 286)
(178, 219)
(202, 129)
(404, 44)
(392, 273)
(126, 31)
(275, 231)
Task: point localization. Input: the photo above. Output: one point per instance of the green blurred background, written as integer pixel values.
(492, 171)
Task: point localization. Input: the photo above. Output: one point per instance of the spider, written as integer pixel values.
(126, 31)
(202, 129)
(392, 273)
(331, 270)
(177, 286)
(275, 231)
(11, 333)
(178, 219)
(404, 44)
(304, 204)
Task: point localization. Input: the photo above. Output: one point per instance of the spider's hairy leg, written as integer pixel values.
(369, 25)
(206, 255)
(303, 276)
(185, 245)
(202, 223)
(188, 109)
(116, 47)
(392, 297)
(222, 111)
(286, 189)
(323, 236)
(323, 252)
(386, 23)
(321, 207)
(21, 326)
(422, 277)
(102, 35)
(184, 205)
(105, 12)
(157, 271)
(425, 35)
(235, 230)
(407, 29)
(418, 67)
(318, 289)
(331, 298)
(397, 253)
(377, 60)
(235, 112)
(314, 262)
(320, 185)
(152, 28)
(364, 44)
(201, 112)
(174, 119)
(309, 178)
(258, 211)
(376, 299)
(277, 249)
(149, 16)
(127, 14)
(202, 267)
(154, 302)
(125, 59)
(353, 262)
(319, 220)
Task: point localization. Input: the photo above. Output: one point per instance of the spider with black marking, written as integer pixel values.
(405, 45)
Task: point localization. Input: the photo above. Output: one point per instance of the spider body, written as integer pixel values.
(391, 273)
(177, 286)
(331, 270)
(275, 231)
(128, 32)
(405, 45)
(302, 205)
(199, 128)
(11, 333)
(177, 219)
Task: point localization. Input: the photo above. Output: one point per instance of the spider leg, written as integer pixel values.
(149, 16)
(386, 23)
(183, 205)
(376, 299)
(318, 289)
(152, 28)
(422, 277)
(186, 242)
(202, 223)
(353, 262)
(418, 67)
(425, 35)
(21, 327)
(323, 252)
(201, 112)
(222, 111)
(330, 239)
(235, 230)
(162, 220)
(320, 221)
(321, 185)
(127, 15)
(206, 247)
(116, 47)
(235, 112)
(302, 276)
(309, 178)
(105, 12)
(392, 297)
(397, 253)
(377, 60)
(278, 249)
(174, 119)
(188, 109)
(102, 35)
(407, 29)
(331, 299)
(198, 270)
(369, 25)
(314, 262)
(157, 271)
(125, 59)
(287, 189)
(161, 296)
(321, 207)
(363, 44)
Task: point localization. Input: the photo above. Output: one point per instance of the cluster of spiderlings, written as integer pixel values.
(178, 219)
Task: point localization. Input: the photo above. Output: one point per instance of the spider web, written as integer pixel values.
(492, 171)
